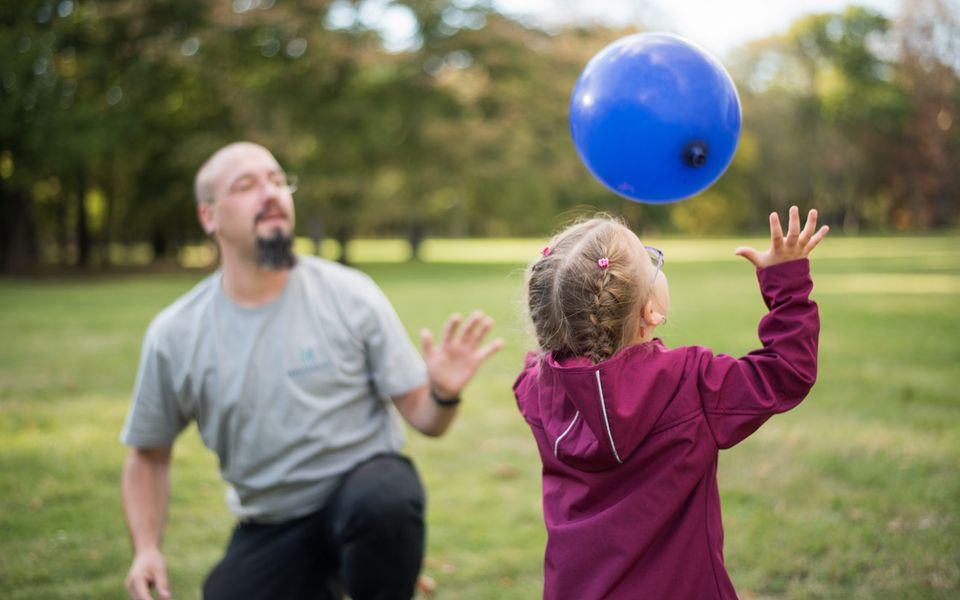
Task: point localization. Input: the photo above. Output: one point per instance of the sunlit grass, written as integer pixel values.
(889, 283)
(854, 494)
(520, 250)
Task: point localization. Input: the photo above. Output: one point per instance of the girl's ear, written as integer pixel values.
(649, 317)
(646, 314)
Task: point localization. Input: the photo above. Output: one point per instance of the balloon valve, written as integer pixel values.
(695, 154)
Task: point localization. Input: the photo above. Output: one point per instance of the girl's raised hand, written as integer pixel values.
(797, 244)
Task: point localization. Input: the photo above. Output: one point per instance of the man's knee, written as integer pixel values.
(219, 585)
(382, 497)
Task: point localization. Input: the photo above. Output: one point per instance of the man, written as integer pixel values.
(292, 369)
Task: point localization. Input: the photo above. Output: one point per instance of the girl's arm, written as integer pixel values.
(739, 395)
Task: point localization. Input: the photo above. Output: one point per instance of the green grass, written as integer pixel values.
(854, 494)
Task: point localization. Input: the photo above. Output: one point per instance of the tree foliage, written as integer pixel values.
(459, 128)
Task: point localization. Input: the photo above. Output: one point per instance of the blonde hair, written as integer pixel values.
(579, 308)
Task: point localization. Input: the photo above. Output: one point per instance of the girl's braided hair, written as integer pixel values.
(579, 308)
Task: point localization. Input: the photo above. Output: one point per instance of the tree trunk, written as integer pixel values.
(160, 245)
(82, 231)
(417, 234)
(343, 236)
(63, 229)
(851, 213)
(316, 233)
(18, 248)
(105, 236)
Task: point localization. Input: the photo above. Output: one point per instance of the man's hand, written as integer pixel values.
(798, 244)
(149, 570)
(453, 362)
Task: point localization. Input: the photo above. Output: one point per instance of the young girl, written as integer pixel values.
(628, 429)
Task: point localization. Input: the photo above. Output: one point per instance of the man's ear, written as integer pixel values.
(205, 216)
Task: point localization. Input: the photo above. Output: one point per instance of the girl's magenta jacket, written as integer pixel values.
(629, 449)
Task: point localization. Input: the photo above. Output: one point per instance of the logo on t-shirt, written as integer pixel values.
(307, 361)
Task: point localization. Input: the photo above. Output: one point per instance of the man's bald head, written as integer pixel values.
(204, 186)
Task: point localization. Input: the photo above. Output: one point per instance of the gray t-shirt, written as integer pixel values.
(289, 395)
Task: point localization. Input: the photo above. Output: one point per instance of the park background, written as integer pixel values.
(439, 162)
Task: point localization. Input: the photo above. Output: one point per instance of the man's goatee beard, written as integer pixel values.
(275, 253)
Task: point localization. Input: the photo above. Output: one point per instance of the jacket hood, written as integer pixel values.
(595, 416)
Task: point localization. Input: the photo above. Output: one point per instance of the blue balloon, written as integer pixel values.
(655, 118)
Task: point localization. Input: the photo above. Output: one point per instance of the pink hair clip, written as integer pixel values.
(545, 251)
(603, 263)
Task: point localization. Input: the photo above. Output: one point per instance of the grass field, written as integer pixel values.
(855, 494)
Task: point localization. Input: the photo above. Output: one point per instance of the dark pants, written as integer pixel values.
(367, 542)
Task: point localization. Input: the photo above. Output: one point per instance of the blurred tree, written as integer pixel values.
(926, 183)
(451, 120)
(93, 105)
(33, 99)
(515, 161)
(355, 119)
(857, 111)
(18, 98)
(776, 94)
(827, 113)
